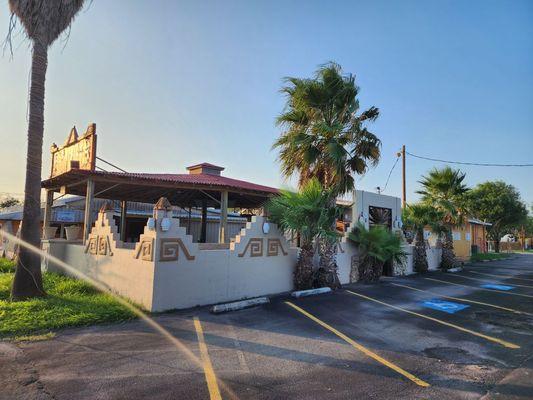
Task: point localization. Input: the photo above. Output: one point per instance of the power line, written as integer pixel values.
(390, 172)
(470, 163)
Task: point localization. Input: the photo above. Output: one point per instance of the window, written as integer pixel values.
(467, 236)
(380, 216)
(456, 235)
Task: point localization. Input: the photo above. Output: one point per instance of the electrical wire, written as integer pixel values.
(469, 163)
(390, 172)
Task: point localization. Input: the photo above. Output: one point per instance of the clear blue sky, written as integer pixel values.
(170, 84)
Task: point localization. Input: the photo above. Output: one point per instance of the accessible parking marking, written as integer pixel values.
(460, 328)
(210, 377)
(462, 300)
(444, 306)
(360, 347)
(500, 276)
(497, 287)
(488, 280)
(479, 288)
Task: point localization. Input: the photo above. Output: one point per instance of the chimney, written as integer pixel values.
(205, 169)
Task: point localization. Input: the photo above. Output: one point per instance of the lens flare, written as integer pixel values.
(141, 314)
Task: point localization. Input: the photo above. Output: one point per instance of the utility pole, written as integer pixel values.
(402, 154)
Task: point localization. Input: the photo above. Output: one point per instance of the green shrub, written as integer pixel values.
(376, 247)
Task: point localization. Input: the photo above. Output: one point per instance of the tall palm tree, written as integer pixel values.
(324, 137)
(444, 190)
(416, 217)
(43, 22)
(306, 213)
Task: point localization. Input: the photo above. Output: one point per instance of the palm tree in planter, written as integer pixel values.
(325, 138)
(307, 213)
(376, 246)
(43, 22)
(416, 217)
(444, 190)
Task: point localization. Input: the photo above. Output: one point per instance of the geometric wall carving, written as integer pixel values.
(170, 249)
(255, 245)
(274, 246)
(145, 250)
(99, 245)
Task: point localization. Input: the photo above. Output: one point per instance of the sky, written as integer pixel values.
(173, 83)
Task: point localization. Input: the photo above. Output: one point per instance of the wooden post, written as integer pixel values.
(48, 211)
(87, 222)
(123, 218)
(203, 232)
(404, 197)
(223, 217)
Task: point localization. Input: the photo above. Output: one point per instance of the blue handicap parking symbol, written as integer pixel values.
(446, 306)
(499, 287)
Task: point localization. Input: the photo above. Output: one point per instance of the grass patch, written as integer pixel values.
(487, 256)
(6, 265)
(70, 302)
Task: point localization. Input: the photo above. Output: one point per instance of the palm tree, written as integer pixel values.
(416, 217)
(376, 247)
(306, 213)
(43, 22)
(444, 190)
(324, 137)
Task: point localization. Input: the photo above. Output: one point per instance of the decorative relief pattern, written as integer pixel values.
(145, 250)
(170, 249)
(256, 248)
(92, 245)
(274, 247)
(99, 245)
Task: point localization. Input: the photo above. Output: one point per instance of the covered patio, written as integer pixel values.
(74, 172)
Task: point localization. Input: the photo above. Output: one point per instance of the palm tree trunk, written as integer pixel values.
(448, 257)
(354, 268)
(328, 265)
(420, 258)
(28, 278)
(303, 274)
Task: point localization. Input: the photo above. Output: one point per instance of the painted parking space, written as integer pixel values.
(499, 341)
(460, 299)
(478, 287)
(360, 347)
(444, 306)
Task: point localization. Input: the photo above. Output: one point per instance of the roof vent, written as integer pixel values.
(205, 169)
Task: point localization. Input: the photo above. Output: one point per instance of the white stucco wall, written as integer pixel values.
(363, 200)
(113, 265)
(166, 270)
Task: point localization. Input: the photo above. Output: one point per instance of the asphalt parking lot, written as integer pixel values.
(433, 336)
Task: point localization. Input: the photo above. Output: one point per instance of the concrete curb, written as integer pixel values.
(239, 305)
(310, 292)
(456, 269)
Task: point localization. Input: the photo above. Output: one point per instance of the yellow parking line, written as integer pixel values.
(480, 288)
(481, 335)
(501, 276)
(463, 300)
(360, 347)
(489, 281)
(210, 377)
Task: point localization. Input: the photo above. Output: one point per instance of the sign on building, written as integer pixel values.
(76, 153)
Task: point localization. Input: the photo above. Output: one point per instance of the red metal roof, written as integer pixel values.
(190, 179)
